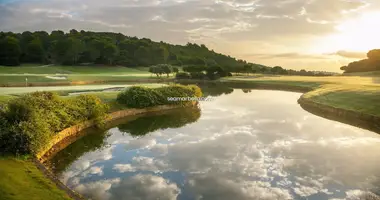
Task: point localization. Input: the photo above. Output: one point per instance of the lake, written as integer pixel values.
(244, 144)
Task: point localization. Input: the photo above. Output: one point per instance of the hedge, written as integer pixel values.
(29, 122)
(142, 97)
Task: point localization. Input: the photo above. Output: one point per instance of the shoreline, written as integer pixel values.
(72, 133)
(350, 117)
(353, 118)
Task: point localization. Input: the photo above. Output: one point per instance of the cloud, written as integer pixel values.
(349, 54)
(97, 189)
(243, 153)
(291, 55)
(223, 25)
(214, 187)
(144, 186)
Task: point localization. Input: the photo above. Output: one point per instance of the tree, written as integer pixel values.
(194, 68)
(277, 70)
(166, 69)
(372, 63)
(215, 73)
(10, 51)
(175, 69)
(80, 46)
(374, 54)
(247, 68)
(156, 70)
(165, 53)
(142, 56)
(110, 52)
(35, 51)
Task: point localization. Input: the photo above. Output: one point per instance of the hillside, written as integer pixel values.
(79, 47)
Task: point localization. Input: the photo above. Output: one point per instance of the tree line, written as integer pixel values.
(85, 47)
(371, 63)
(277, 70)
(106, 48)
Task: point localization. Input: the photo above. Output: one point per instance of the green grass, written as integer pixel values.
(11, 79)
(362, 99)
(56, 69)
(349, 80)
(19, 80)
(21, 180)
(63, 90)
(305, 84)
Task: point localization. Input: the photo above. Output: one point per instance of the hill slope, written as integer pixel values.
(103, 48)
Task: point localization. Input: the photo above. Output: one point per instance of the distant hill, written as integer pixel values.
(84, 47)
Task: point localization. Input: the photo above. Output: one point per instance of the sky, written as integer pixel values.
(297, 34)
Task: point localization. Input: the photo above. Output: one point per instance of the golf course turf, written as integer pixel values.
(360, 94)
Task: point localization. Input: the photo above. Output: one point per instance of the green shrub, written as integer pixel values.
(28, 123)
(197, 91)
(182, 75)
(139, 97)
(142, 97)
(87, 107)
(175, 91)
(198, 75)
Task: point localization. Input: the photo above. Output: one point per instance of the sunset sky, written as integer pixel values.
(308, 34)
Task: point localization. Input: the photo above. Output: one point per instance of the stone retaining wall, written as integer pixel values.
(74, 130)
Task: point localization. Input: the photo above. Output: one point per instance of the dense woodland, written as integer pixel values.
(75, 48)
(371, 63)
(105, 48)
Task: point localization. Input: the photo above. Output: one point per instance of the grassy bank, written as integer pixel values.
(21, 179)
(359, 94)
(359, 98)
(353, 93)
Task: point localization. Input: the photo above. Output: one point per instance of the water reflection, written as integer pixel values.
(215, 90)
(96, 139)
(156, 121)
(257, 145)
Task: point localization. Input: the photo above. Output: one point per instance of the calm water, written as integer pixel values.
(242, 145)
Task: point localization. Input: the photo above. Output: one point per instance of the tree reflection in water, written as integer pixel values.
(174, 119)
(96, 139)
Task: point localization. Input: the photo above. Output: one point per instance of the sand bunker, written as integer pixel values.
(57, 77)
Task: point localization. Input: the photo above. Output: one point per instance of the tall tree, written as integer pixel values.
(10, 51)
(35, 51)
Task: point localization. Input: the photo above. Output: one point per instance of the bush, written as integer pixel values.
(139, 97)
(182, 75)
(196, 90)
(28, 123)
(142, 97)
(175, 91)
(197, 75)
(87, 107)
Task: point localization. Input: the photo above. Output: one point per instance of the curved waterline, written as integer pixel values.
(242, 142)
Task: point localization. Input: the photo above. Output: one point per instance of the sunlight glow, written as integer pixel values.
(360, 34)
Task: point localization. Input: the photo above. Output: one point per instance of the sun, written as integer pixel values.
(359, 35)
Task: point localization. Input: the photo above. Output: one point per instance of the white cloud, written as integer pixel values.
(145, 186)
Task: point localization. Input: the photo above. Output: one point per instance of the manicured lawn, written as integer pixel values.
(361, 94)
(54, 69)
(351, 80)
(21, 180)
(364, 99)
(306, 84)
(20, 79)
